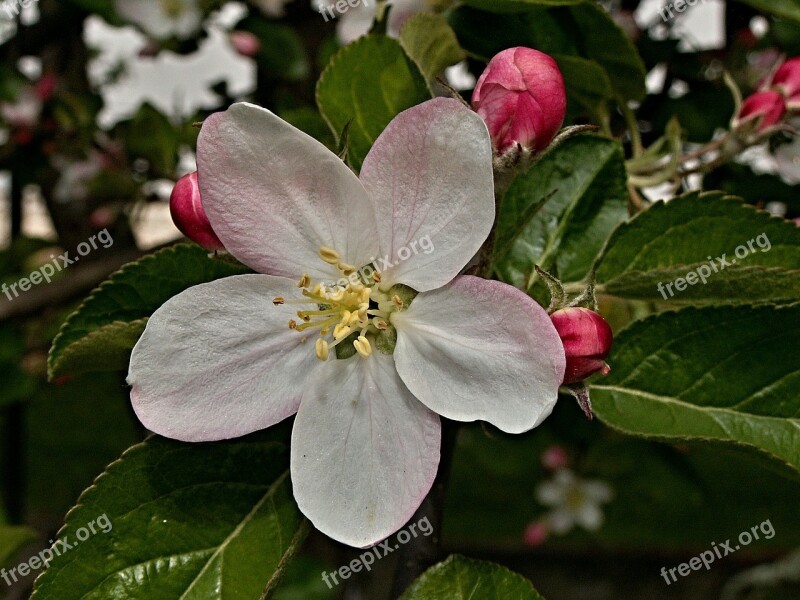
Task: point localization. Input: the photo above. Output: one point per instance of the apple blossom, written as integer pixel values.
(245, 43)
(587, 341)
(765, 109)
(186, 209)
(522, 98)
(367, 341)
(574, 501)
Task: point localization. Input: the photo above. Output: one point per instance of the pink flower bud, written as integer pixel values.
(768, 108)
(787, 79)
(245, 43)
(555, 457)
(187, 212)
(536, 534)
(587, 339)
(521, 97)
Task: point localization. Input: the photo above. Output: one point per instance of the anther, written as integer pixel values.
(341, 331)
(329, 255)
(346, 268)
(381, 324)
(305, 281)
(292, 324)
(362, 346)
(376, 277)
(397, 301)
(278, 300)
(322, 349)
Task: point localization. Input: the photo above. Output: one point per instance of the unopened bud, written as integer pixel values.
(245, 43)
(787, 81)
(522, 99)
(764, 108)
(187, 212)
(587, 339)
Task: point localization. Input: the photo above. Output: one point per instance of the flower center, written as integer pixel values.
(353, 315)
(173, 8)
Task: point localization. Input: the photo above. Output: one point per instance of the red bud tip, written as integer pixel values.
(767, 107)
(587, 339)
(187, 212)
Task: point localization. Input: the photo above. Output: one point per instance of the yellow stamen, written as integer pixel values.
(397, 301)
(322, 349)
(381, 324)
(329, 255)
(305, 281)
(278, 300)
(362, 346)
(341, 331)
(376, 277)
(346, 268)
(292, 324)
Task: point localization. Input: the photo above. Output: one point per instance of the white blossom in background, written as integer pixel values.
(162, 19)
(177, 85)
(573, 501)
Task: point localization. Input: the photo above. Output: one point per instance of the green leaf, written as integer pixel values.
(584, 179)
(98, 336)
(459, 578)
(588, 86)
(430, 42)
(583, 30)
(150, 135)
(12, 540)
(697, 234)
(368, 82)
(713, 373)
(181, 521)
(786, 9)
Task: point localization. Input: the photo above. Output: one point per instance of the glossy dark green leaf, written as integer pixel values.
(430, 42)
(560, 212)
(181, 521)
(716, 248)
(459, 578)
(715, 373)
(367, 84)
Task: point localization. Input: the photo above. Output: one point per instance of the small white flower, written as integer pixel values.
(575, 501)
(357, 20)
(162, 19)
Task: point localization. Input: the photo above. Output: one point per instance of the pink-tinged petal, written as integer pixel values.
(480, 350)
(364, 451)
(219, 361)
(430, 177)
(275, 195)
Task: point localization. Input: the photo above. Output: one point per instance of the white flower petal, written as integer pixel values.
(560, 521)
(550, 493)
(590, 516)
(598, 491)
(430, 177)
(364, 451)
(219, 361)
(156, 22)
(275, 195)
(479, 349)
